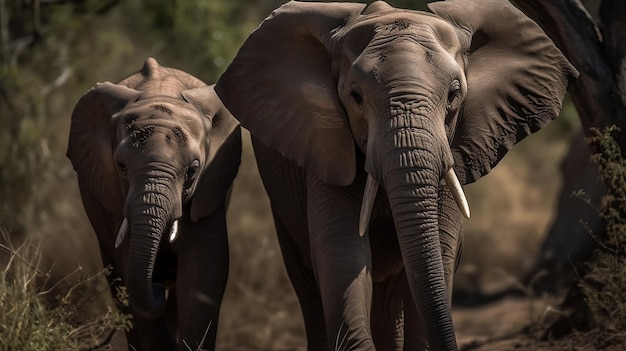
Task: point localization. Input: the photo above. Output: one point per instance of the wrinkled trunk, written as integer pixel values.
(411, 174)
(149, 218)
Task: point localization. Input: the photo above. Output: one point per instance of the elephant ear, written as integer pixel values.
(224, 151)
(90, 145)
(282, 88)
(516, 80)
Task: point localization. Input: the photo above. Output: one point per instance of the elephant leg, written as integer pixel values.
(103, 224)
(415, 338)
(387, 314)
(285, 183)
(342, 264)
(202, 272)
(303, 281)
(120, 338)
(150, 334)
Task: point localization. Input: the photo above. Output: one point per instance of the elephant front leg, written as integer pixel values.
(201, 277)
(304, 283)
(150, 334)
(387, 315)
(342, 264)
(415, 338)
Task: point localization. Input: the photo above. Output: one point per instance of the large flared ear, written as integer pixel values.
(90, 145)
(282, 88)
(224, 151)
(516, 80)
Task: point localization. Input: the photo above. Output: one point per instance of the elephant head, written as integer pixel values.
(149, 151)
(417, 93)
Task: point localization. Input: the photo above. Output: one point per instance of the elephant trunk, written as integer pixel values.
(150, 217)
(411, 172)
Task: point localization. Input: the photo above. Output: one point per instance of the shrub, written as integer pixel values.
(604, 282)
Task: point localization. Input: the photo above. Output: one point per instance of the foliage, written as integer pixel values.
(51, 55)
(605, 280)
(35, 81)
(21, 139)
(30, 319)
(208, 25)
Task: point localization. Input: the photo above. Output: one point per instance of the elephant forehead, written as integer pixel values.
(184, 122)
(435, 34)
(141, 135)
(421, 27)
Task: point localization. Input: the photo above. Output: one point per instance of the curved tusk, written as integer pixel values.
(174, 231)
(371, 187)
(121, 233)
(457, 192)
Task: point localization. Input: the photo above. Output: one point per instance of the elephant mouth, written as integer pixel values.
(121, 234)
(165, 264)
(386, 256)
(371, 188)
(165, 269)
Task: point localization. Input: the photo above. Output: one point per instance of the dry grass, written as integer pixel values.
(604, 282)
(38, 314)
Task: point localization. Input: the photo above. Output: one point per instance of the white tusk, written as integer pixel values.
(121, 233)
(174, 231)
(369, 196)
(457, 192)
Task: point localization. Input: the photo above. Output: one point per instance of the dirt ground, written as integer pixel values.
(502, 325)
(514, 323)
(522, 324)
(499, 326)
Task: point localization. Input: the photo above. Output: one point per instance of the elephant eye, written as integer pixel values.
(192, 173)
(454, 94)
(356, 97)
(122, 168)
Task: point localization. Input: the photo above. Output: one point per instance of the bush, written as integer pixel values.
(604, 282)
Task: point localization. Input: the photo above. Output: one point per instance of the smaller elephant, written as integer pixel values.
(155, 154)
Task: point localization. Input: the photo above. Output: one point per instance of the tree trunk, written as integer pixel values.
(599, 94)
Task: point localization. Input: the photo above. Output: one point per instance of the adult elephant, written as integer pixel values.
(157, 154)
(341, 97)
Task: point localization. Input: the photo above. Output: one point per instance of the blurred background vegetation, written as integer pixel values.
(53, 51)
